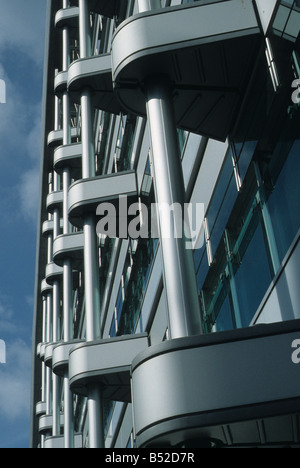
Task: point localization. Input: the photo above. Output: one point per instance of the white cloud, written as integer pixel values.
(15, 378)
(22, 27)
(29, 194)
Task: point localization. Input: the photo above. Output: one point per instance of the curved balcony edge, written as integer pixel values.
(71, 247)
(49, 354)
(86, 194)
(205, 63)
(95, 73)
(54, 201)
(227, 378)
(46, 288)
(68, 156)
(53, 273)
(55, 137)
(60, 83)
(40, 408)
(46, 423)
(61, 353)
(58, 442)
(67, 17)
(107, 363)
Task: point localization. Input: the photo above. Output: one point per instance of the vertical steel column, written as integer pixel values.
(178, 266)
(146, 5)
(48, 370)
(55, 378)
(67, 267)
(91, 264)
(84, 29)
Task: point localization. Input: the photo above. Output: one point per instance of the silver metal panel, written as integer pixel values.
(206, 62)
(60, 82)
(67, 17)
(47, 227)
(188, 382)
(61, 353)
(94, 72)
(49, 354)
(40, 408)
(85, 195)
(67, 156)
(107, 362)
(54, 200)
(55, 137)
(53, 272)
(69, 246)
(45, 287)
(155, 32)
(266, 10)
(46, 423)
(59, 442)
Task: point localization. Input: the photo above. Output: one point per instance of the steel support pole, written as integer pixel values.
(96, 427)
(91, 263)
(146, 5)
(48, 370)
(67, 267)
(178, 266)
(84, 29)
(55, 378)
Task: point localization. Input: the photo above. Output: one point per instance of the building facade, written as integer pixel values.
(175, 327)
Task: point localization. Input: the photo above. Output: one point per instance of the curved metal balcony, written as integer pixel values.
(47, 227)
(85, 195)
(55, 137)
(69, 246)
(49, 354)
(46, 423)
(95, 73)
(67, 17)
(61, 351)
(107, 363)
(220, 387)
(58, 442)
(207, 63)
(54, 201)
(45, 287)
(60, 83)
(40, 408)
(53, 273)
(68, 156)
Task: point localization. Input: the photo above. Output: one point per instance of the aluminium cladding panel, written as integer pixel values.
(85, 195)
(59, 442)
(69, 246)
(61, 351)
(67, 155)
(206, 62)
(194, 381)
(107, 362)
(159, 31)
(266, 12)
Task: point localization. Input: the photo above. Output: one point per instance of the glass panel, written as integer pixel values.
(252, 274)
(283, 204)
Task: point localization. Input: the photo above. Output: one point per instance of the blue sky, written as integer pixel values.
(22, 28)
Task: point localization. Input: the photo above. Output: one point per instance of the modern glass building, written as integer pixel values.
(147, 334)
